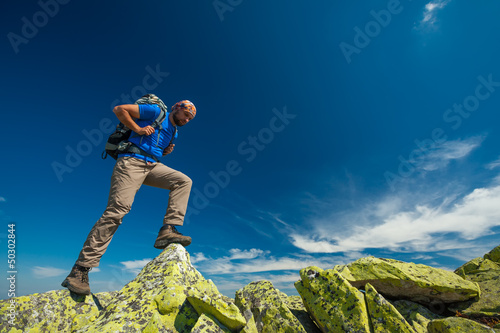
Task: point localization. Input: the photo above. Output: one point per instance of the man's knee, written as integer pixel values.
(186, 181)
(115, 213)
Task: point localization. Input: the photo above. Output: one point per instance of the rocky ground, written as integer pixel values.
(368, 295)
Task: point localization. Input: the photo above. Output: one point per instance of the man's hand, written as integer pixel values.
(168, 150)
(148, 130)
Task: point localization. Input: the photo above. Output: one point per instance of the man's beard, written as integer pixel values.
(177, 121)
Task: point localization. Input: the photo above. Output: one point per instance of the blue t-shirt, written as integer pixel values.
(155, 143)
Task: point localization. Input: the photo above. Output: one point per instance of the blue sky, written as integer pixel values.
(325, 132)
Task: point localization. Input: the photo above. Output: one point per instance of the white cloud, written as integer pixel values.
(135, 266)
(41, 272)
(245, 254)
(494, 164)
(430, 12)
(197, 257)
(421, 229)
(440, 156)
(265, 263)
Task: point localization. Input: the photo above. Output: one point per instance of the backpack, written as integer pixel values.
(118, 140)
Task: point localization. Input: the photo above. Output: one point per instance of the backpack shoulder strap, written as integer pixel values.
(173, 136)
(159, 120)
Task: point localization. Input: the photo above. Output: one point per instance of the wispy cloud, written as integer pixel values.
(135, 266)
(424, 228)
(494, 164)
(41, 272)
(441, 155)
(429, 17)
(2, 199)
(263, 262)
(431, 10)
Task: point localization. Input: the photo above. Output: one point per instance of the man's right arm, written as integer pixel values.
(127, 113)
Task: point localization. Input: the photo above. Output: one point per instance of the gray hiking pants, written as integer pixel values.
(129, 174)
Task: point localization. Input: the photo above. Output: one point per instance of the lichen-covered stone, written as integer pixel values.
(262, 302)
(297, 307)
(332, 302)
(485, 272)
(161, 287)
(53, 311)
(226, 312)
(489, 302)
(383, 315)
(416, 282)
(155, 301)
(155, 325)
(457, 325)
(415, 314)
(475, 266)
(493, 255)
(208, 324)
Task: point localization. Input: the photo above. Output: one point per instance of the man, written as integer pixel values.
(133, 168)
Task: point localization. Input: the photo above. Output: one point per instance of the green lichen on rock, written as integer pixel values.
(226, 312)
(263, 303)
(383, 315)
(333, 303)
(415, 314)
(209, 324)
(476, 265)
(159, 288)
(493, 255)
(155, 324)
(416, 282)
(297, 307)
(155, 301)
(457, 325)
(53, 311)
(485, 272)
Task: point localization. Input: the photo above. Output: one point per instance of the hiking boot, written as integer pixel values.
(78, 280)
(169, 235)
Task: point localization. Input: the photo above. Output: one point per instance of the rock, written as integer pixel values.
(261, 302)
(457, 325)
(415, 314)
(486, 273)
(415, 282)
(296, 306)
(53, 311)
(161, 286)
(226, 312)
(208, 324)
(155, 301)
(493, 255)
(170, 295)
(475, 266)
(332, 302)
(383, 315)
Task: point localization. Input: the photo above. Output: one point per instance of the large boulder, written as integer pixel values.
(383, 315)
(415, 314)
(485, 271)
(332, 302)
(208, 324)
(458, 325)
(264, 306)
(224, 310)
(415, 282)
(168, 295)
(493, 255)
(53, 311)
(297, 307)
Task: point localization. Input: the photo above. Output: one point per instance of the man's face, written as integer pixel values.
(182, 117)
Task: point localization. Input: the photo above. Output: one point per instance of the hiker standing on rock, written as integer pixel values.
(137, 164)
